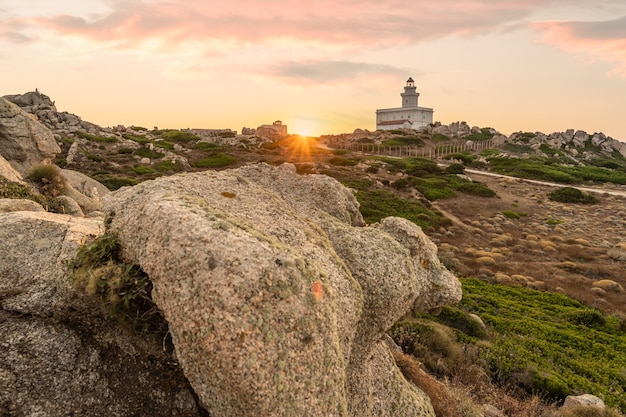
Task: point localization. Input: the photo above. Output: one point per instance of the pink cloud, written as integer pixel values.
(347, 23)
(604, 41)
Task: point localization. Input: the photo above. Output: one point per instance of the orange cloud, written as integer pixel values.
(604, 41)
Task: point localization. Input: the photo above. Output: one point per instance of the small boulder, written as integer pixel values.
(19, 204)
(584, 400)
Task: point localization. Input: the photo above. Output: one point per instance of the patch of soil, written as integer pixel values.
(567, 248)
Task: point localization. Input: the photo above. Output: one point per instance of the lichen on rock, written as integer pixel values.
(276, 293)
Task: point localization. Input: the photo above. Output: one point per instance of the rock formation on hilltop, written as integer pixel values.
(44, 109)
(276, 294)
(23, 141)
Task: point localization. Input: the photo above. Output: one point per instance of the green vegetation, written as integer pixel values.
(113, 182)
(10, 189)
(571, 195)
(207, 146)
(554, 222)
(147, 153)
(217, 160)
(163, 144)
(48, 179)
(438, 137)
(543, 343)
(143, 170)
(96, 138)
(340, 161)
(124, 289)
(170, 166)
(139, 139)
(177, 136)
(405, 140)
(465, 157)
(518, 148)
(485, 134)
(512, 214)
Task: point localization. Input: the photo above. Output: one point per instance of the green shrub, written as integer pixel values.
(460, 320)
(179, 136)
(171, 166)
(124, 289)
(207, 146)
(163, 144)
(10, 189)
(217, 160)
(340, 161)
(147, 153)
(434, 188)
(571, 195)
(512, 214)
(96, 138)
(401, 183)
(143, 170)
(455, 169)
(114, 182)
(124, 151)
(48, 179)
(438, 137)
(475, 188)
(139, 139)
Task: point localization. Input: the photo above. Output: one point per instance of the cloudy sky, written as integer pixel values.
(321, 66)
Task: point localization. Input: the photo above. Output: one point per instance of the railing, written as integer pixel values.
(430, 152)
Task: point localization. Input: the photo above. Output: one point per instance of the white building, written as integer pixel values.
(410, 115)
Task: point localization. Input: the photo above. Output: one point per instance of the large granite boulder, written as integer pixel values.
(24, 142)
(276, 293)
(61, 355)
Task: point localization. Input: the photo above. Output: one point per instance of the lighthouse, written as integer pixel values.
(409, 115)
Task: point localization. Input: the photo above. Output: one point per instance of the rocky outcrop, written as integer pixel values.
(276, 293)
(60, 354)
(23, 141)
(44, 109)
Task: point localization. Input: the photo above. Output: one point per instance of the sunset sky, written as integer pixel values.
(321, 66)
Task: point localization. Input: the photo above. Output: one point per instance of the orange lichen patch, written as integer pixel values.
(425, 263)
(318, 290)
(228, 195)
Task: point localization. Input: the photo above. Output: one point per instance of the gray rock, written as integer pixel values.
(8, 172)
(60, 355)
(24, 142)
(277, 296)
(586, 400)
(12, 204)
(34, 274)
(67, 205)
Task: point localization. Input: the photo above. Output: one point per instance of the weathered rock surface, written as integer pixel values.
(585, 400)
(18, 204)
(8, 172)
(24, 142)
(59, 355)
(276, 294)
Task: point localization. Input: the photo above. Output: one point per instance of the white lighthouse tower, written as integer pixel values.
(409, 116)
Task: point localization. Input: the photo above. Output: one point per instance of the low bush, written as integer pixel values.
(147, 153)
(512, 214)
(571, 195)
(10, 189)
(170, 166)
(178, 136)
(207, 146)
(143, 170)
(48, 179)
(114, 182)
(217, 160)
(340, 161)
(96, 138)
(124, 289)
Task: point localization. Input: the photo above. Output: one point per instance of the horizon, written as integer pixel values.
(321, 68)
